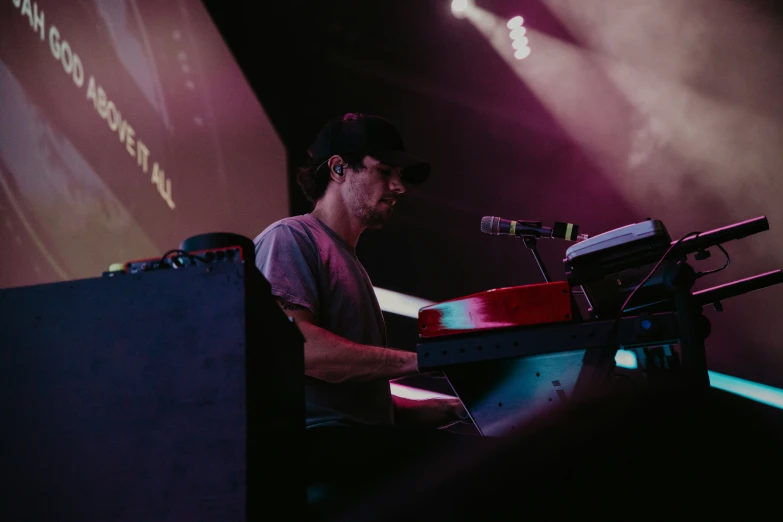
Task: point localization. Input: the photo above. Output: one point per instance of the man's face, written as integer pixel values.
(372, 192)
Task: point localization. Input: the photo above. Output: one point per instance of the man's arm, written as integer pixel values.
(332, 358)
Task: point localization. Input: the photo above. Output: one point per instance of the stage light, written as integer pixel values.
(515, 22)
(519, 40)
(517, 33)
(459, 7)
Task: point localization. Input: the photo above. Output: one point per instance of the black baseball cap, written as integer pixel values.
(356, 133)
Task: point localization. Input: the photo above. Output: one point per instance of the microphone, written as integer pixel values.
(499, 226)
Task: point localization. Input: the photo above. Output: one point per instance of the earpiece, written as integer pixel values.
(339, 170)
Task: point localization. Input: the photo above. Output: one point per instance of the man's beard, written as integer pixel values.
(374, 217)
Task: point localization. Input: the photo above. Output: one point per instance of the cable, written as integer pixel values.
(613, 330)
(162, 261)
(724, 267)
(698, 275)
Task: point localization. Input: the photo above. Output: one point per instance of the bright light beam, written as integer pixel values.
(593, 125)
(400, 304)
(459, 7)
(415, 394)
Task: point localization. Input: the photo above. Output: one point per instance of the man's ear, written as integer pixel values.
(336, 168)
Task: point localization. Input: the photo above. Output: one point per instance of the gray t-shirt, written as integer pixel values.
(308, 264)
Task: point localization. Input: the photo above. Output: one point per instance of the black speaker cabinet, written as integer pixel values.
(170, 395)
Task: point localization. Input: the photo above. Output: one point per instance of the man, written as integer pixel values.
(357, 172)
(357, 431)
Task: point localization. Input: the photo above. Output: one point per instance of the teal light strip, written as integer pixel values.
(748, 389)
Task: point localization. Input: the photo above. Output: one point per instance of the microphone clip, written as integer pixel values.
(531, 233)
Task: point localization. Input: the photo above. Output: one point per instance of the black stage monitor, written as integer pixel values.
(168, 395)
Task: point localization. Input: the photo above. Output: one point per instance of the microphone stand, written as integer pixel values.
(530, 243)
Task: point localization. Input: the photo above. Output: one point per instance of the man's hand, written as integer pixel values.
(434, 412)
